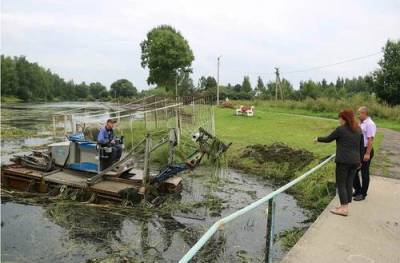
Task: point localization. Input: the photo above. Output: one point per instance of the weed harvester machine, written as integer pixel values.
(77, 164)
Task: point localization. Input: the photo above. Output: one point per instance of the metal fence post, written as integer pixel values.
(155, 113)
(54, 127)
(270, 230)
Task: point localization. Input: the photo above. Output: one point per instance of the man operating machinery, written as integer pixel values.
(110, 143)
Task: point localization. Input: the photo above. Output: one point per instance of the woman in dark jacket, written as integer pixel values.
(349, 147)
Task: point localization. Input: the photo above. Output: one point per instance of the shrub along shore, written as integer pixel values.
(384, 115)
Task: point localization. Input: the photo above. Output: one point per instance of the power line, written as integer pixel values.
(313, 68)
(333, 64)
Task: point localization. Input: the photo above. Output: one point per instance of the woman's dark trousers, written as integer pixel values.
(344, 181)
(361, 188)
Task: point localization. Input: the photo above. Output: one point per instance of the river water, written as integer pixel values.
(68, 231)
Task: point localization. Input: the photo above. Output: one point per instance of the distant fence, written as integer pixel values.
(135, 118)
(270, 219)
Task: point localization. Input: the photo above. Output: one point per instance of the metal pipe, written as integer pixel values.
(210, 232)
(270, 230)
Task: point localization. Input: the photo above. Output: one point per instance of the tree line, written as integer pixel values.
(168, 57)
(29, 81)
(342, 87)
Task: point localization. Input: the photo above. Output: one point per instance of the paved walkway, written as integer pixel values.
(387, 162)
(371, 232)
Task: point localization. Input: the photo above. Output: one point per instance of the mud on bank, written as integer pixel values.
(276, 162)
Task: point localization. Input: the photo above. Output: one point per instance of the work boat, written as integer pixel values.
(79, 163)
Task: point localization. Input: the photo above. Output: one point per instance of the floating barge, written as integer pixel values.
(81, 164)
(110, 188)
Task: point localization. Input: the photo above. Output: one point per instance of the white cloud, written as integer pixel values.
(99, 40)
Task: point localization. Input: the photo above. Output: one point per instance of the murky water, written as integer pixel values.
(37, 120)
(75, 232)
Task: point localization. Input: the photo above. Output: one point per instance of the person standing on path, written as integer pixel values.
(349, 149)
(368, 129)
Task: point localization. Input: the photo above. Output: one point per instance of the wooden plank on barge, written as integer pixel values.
(113, 187)
(67, 178)
(19, 170)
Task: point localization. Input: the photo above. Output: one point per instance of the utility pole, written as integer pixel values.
(218, 59)
(278, 84)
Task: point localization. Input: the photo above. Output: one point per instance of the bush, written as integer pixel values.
(227, 104)
(331, 105)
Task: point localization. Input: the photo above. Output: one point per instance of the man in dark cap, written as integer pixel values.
(106, 138)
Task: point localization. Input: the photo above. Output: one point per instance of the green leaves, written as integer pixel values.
(246, 85)
(165, 52)
(387, 78)
(29, 81)
(123, 88)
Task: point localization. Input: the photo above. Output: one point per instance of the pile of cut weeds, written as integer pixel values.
(277, 161)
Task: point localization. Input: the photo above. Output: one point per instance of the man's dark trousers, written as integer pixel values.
(116, 152)
(361, 188)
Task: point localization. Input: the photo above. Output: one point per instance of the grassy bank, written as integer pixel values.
(269, 126)
(12, 132)
(10, 99)
(383, 115)
(297, 132)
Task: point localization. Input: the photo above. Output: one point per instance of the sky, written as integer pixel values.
(96, 40)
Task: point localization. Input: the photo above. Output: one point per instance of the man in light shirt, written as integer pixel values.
(368, 128)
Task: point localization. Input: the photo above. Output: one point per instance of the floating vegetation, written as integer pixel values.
(289, 238)
(214, 203)
(13, 132)
(276, 161)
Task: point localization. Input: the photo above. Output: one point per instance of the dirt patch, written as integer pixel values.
(276, 161)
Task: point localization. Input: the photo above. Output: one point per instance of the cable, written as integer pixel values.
(333, 64)
(315, 67)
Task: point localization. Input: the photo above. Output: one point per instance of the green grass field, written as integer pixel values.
(296, 128)
(283, 108)
(297, 131)
(266, 127)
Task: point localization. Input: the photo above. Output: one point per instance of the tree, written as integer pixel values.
(123, 88)
(9, 76)
(309, 89)
(185, 86)
(69, 91)
(287, 89)
(165, 52)
(208, 83)
(339, 83)
(237, 87)
(260, 87)
(97, 90)
(387, 78)
(82, 91)
(30, 82)
(246, 85)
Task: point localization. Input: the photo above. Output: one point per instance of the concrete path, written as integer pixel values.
(371, 232)
(387, 161)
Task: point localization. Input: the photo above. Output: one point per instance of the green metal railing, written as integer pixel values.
(270, 219)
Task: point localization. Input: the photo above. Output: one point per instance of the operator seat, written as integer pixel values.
(103, 151)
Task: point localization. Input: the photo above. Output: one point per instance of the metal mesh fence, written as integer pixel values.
(135, 119)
